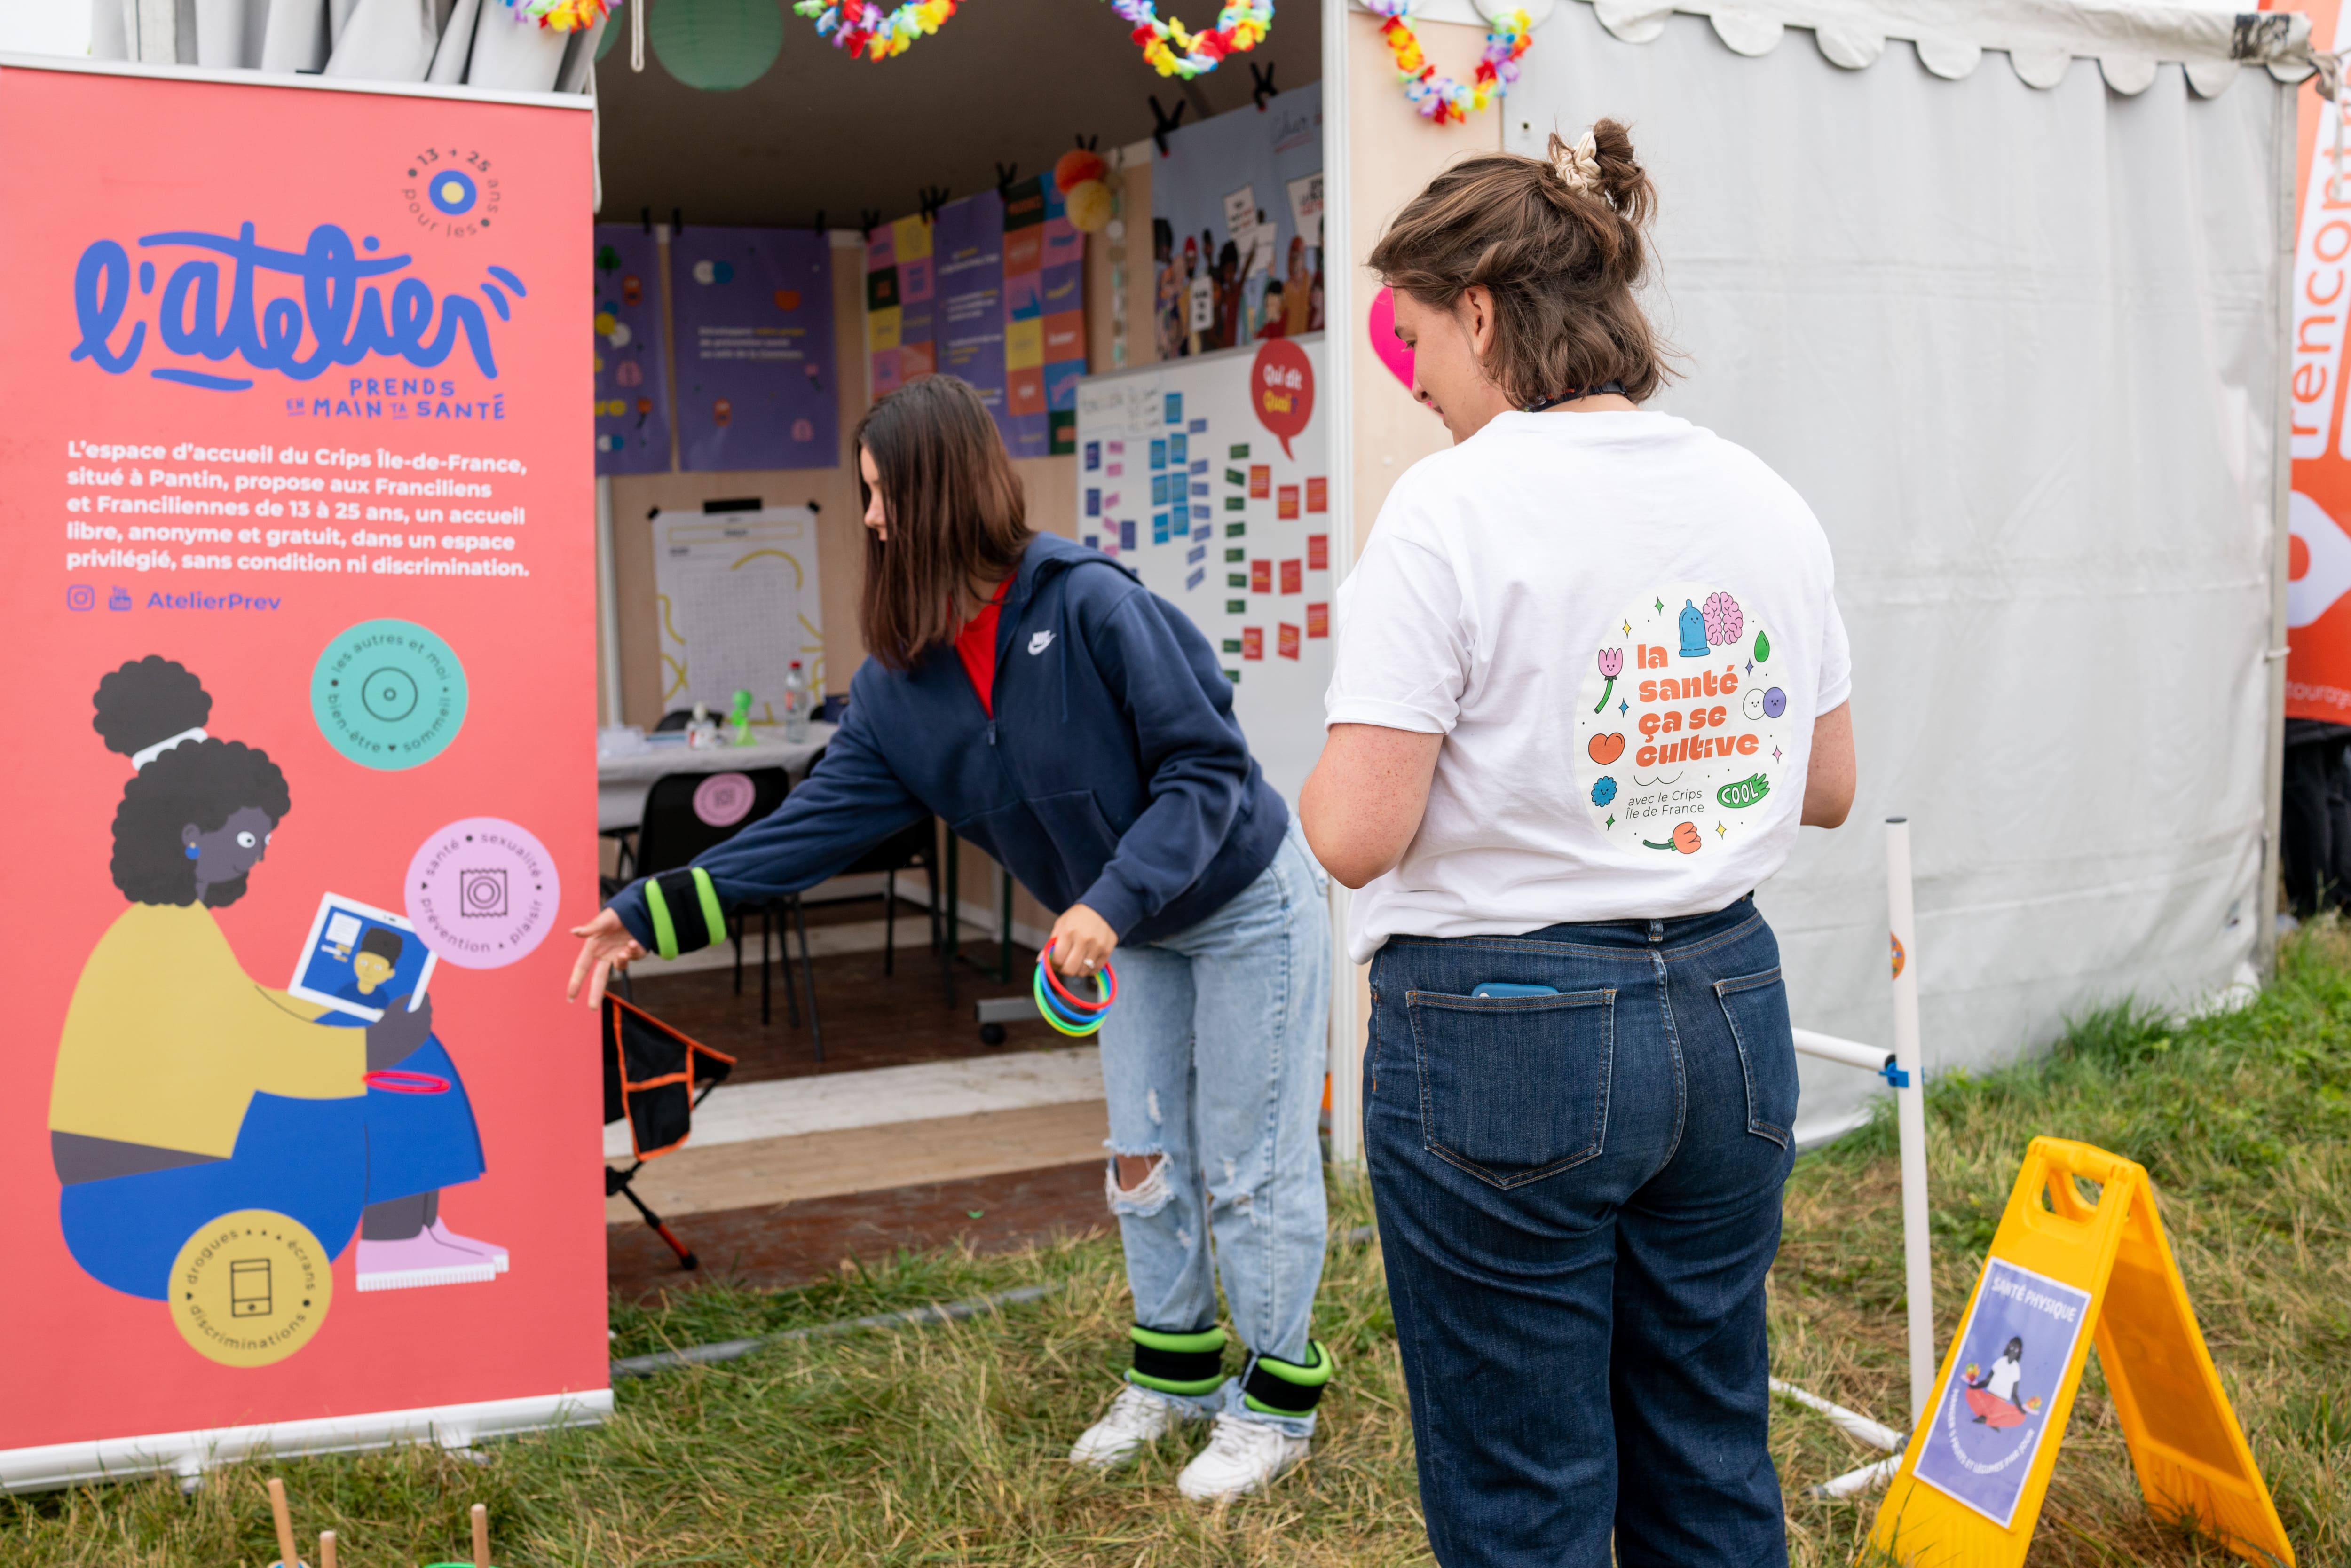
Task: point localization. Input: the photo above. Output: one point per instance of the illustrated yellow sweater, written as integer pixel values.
(167, 1039)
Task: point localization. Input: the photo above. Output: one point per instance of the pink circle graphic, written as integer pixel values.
(724, 800)
(482, 892)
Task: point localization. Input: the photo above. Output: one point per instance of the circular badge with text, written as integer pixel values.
(724, 800)
(482, 892)
(1684, 723)
(251, 1287)
(389, 695)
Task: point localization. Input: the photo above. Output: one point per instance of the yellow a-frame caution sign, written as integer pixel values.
(2064, 1270)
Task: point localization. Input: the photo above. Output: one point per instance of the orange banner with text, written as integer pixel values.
(2318, 587)
(303, 1133)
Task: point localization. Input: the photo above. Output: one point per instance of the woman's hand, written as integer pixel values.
(606, 945)
(1081, 942)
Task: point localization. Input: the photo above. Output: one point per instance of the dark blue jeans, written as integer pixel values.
(1579, 1198)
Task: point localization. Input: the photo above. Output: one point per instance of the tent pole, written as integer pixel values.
(2283, 160)
(1339, 322)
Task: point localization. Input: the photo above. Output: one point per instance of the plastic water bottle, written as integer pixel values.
(796, 705)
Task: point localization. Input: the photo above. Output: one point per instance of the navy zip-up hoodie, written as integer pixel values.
(1112, 774)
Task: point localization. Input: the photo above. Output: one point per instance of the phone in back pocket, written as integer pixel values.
(1505, 988)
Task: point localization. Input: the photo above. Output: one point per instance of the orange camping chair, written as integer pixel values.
(654, 1078)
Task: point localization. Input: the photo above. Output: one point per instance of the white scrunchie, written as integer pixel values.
(1578, 167)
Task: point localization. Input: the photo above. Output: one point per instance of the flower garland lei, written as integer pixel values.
(1174, 51)
(865, 28)
(1441, 99)
(563, 15)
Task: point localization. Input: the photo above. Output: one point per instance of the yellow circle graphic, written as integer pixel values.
(251, 1287)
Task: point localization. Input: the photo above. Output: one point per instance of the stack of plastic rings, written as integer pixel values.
(1069, 1013)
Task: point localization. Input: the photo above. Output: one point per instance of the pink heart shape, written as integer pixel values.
(1390, 349)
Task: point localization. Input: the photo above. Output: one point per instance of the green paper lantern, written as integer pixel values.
(716, 45)
(614, 25)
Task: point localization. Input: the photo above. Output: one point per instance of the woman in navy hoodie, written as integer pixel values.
(1079, 729)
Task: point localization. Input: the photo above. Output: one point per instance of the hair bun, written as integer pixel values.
(148, 700)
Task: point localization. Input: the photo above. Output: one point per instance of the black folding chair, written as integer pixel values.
(674, 833)
(914, 847)
(624, 840)
(655, 1077)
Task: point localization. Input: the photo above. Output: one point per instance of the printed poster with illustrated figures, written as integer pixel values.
(632, 354)
(753, 309)
(1992, 1419)
(301, 1129)
(1683, 721)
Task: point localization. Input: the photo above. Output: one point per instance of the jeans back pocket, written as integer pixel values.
(1757, 1008)
(1513, 1089)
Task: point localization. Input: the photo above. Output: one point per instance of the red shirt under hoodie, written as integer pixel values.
(975, 647)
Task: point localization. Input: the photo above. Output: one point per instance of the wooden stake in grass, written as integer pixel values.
(285, 1522)
(325, 1549)
(481, 1536)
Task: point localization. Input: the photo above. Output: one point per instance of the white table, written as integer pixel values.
(624, 782)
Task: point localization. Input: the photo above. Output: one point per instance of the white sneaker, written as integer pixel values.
(1135, 1418)
(1241, 1456)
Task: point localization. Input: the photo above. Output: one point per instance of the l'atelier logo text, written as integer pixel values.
(296, 313)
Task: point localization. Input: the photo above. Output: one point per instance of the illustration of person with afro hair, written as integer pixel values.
(187, 1090)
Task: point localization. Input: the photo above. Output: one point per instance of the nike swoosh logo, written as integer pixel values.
(1041, 641)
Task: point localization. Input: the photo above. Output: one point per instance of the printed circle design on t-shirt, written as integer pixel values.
(389, 694)
(452, 192)
(1684, 725)
(484, 893)
(251, 1287)
(724, 800)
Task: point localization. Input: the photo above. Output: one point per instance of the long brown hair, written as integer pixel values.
(1559, 244)
(958, 518)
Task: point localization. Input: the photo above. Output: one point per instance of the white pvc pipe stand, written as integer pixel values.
(1910, 1115)
(1902, 1068)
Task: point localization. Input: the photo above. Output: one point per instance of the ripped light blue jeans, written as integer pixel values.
(1213, 1059)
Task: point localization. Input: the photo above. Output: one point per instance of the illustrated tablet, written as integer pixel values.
(359, 960)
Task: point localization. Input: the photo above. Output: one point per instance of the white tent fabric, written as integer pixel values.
(478, 43)
(2021, 348)
(2039, 38)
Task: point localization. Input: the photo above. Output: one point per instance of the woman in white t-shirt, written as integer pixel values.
(1590, 678)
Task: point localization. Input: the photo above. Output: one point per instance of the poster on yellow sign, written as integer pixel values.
(2079, 1260)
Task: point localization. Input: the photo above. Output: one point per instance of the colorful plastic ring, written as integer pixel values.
(1067, 1014)
(1045, 1011)
(391, 1081)
(1109, 989)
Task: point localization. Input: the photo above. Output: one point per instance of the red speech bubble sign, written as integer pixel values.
(1281, 389)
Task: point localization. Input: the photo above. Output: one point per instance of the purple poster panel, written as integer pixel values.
(1993, 1419)
(631, 366)
(967, 273)
(755, 366)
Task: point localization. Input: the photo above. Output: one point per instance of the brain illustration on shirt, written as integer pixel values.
(1684, 729)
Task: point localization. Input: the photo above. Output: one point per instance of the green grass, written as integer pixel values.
(943, 1445)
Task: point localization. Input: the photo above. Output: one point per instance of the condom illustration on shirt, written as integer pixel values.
(1683, 726)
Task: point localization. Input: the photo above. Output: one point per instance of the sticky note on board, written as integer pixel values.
(1318, 621)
